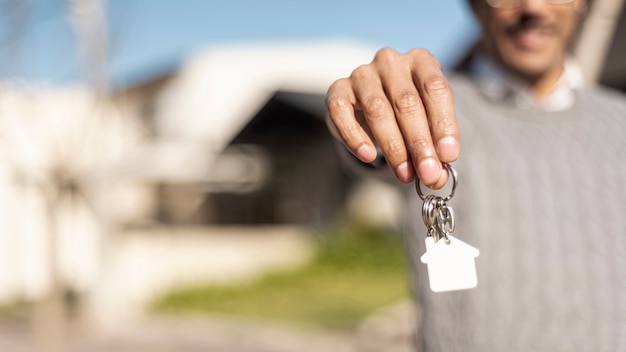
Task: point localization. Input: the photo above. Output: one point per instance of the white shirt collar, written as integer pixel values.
(498, 84)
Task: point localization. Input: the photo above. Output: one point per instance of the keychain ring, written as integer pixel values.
(452, 171)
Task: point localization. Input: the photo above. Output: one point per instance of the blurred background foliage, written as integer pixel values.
(357, 269)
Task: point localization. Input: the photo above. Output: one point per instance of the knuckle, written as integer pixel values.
(408, 102)
(424, 56)
(395, 147)
(350, 134)
(437, 86)
(361, 72)
(445, 126)
(375, 107)
(420, 52)
(336, 104)
(420, 146)
(336, 85)
(386, 55)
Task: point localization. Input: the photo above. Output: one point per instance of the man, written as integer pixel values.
(541, 190)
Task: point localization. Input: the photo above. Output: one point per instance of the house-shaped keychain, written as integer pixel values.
(450, 265)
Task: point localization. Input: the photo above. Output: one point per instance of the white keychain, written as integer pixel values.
(450, 262)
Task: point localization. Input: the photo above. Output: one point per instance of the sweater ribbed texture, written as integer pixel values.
(542, 195)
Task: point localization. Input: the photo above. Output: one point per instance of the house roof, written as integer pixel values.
(219, 90)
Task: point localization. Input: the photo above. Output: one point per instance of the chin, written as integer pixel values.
(529, 64)
(529, 69)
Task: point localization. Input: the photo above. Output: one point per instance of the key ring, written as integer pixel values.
(429, 211)
(452, 171)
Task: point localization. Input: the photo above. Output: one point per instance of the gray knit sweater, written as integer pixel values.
(542, 195)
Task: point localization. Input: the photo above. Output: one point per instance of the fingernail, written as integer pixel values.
(366, 153)
(405, 172)
(448, 149)
(429, 171)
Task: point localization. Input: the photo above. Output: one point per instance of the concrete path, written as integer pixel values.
(389, 330)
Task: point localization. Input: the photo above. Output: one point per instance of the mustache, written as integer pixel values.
(527, 22)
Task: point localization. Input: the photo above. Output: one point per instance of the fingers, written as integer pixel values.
(407, 109)
(380, 117)
(436, 96)
(411, 117)
(342, 121)
(439, 103)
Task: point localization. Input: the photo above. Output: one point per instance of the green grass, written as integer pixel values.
(357, 269)
(16, 308)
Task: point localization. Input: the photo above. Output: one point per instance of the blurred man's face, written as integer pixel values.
(529, 37)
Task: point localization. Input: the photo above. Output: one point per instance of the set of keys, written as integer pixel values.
(450, 261)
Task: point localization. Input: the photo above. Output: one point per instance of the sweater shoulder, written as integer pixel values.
(604, 107)
(601, 96)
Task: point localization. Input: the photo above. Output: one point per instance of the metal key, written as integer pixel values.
(436, 213)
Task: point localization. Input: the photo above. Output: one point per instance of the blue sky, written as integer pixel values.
(150, 37)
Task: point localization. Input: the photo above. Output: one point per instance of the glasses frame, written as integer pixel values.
(513, 4)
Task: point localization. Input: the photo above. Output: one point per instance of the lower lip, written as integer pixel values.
(531, 40)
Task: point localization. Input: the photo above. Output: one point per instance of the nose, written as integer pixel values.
(533, 6)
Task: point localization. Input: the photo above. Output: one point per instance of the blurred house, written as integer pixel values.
(238, 135)
(268, 100)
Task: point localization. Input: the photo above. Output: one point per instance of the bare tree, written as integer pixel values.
(61, 181)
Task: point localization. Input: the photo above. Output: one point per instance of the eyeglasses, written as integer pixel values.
(511, 4)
